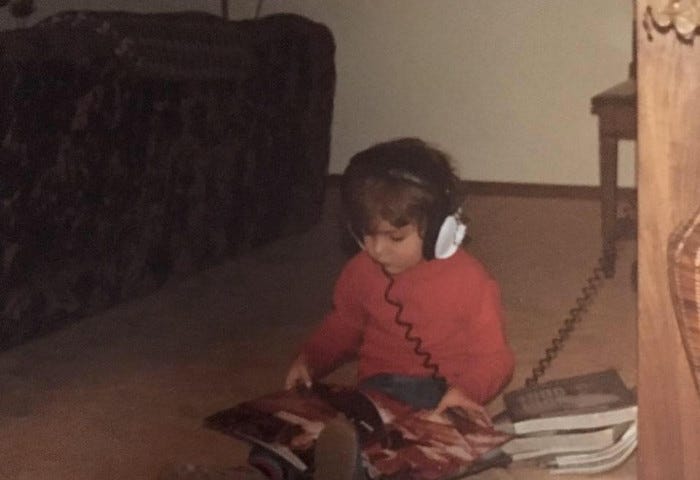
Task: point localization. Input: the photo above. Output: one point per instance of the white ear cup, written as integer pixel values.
(450, 237)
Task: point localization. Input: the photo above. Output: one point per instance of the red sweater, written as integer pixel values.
(454, 306)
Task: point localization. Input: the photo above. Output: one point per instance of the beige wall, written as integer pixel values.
(502, 85)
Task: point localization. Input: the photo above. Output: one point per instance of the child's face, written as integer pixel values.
(396, 249)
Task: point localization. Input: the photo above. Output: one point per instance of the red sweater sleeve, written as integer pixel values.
(338, 337)
(490, 361)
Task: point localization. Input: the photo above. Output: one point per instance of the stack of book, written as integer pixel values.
(582, 424)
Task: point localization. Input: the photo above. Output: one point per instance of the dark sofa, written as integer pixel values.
(138, 148)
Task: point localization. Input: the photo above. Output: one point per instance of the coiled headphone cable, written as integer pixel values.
(588, 294)
(583, 301)
(415, 340)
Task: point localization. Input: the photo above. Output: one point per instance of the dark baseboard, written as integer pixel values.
(536, 190)
(542, 190)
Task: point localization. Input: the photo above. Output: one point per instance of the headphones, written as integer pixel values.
(412, 161)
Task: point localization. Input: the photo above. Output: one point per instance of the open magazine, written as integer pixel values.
(396, 441)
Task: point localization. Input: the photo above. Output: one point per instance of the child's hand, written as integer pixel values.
(456, 398)
(298, 374)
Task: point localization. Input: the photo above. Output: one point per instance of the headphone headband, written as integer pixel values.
(407, 176)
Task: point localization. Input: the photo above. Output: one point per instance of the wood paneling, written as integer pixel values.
(669, 192)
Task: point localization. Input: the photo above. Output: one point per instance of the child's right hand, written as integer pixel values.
(299, 374)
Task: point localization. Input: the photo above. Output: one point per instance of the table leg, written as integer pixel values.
(608, 197)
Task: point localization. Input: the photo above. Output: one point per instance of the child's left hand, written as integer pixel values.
(456, 398)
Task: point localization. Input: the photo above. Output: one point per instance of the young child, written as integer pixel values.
(421, 316)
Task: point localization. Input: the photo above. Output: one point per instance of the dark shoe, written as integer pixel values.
(336, 456)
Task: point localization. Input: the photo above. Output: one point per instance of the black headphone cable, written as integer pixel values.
(415, 340)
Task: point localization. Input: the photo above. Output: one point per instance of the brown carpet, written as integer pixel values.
(122, 394)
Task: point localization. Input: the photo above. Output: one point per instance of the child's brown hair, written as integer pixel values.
(401, 181)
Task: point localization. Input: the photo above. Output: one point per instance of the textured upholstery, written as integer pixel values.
(140, 147)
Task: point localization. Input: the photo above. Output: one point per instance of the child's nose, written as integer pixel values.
(375, 245)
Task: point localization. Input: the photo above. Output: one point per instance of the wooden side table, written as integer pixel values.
(616, 109)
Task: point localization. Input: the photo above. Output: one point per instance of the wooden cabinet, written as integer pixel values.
(668, 149)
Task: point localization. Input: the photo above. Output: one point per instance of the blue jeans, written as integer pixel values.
(418, 392)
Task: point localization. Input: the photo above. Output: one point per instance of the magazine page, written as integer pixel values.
(420, 446)
(396, 441)
(286, 423)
